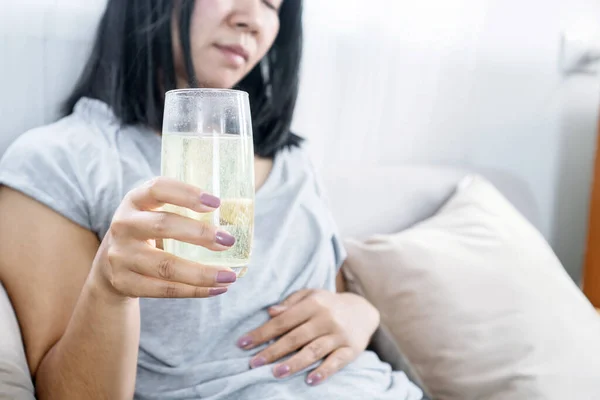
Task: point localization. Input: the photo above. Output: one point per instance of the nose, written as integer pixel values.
(246, 16)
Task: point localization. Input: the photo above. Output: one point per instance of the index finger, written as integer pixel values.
(161, 190)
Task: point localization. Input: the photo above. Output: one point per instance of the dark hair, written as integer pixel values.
(131, 67)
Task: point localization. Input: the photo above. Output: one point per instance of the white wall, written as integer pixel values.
(462, 82)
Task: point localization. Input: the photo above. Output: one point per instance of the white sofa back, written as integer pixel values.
(43, 48)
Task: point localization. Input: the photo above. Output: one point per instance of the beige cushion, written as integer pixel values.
(479, 304)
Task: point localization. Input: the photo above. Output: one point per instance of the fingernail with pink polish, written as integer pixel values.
(244, 342)
(281, 371)
(216, 291)
(278, 309)
(226, 277)
(209, 200)
(314, 379)
(257, 362)
(224, 239)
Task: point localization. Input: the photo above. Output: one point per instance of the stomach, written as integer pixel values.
(367, 378)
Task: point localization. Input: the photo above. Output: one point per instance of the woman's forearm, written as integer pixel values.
(96, 357)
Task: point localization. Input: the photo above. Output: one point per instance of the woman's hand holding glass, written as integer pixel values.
(131, 263)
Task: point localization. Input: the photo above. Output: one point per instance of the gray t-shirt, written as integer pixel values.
(83, 165)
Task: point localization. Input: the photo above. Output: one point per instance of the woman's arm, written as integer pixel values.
(80, 344)
(81, 324)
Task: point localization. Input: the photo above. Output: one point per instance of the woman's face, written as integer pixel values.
(228, 38)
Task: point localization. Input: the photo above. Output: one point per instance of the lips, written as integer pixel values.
(234, 50)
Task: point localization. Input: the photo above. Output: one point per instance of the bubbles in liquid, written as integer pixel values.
(222, 165)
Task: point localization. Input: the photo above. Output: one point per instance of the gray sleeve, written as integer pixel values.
(42, 164)
(340, 252)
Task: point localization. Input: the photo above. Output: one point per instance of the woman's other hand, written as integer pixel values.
(129, 264)
(320, 325)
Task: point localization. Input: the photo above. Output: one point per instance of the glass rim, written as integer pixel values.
(194, 91)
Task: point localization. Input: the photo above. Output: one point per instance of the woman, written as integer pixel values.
(78, 242)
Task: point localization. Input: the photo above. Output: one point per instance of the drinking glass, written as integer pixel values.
(207, 142)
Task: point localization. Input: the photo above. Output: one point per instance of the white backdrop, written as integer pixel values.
(461, 82)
